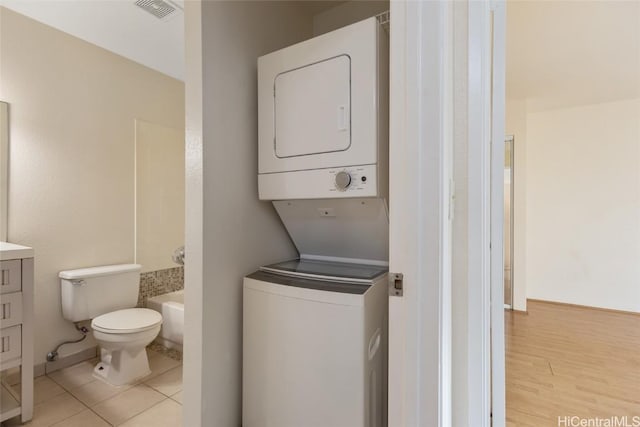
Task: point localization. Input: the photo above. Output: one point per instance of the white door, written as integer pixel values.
(419, 201)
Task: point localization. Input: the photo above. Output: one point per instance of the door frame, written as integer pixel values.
(498, 15)
(421, 141)
(511, 139)
(486, 85)
(420, 151)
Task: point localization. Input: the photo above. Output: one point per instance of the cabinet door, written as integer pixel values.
(10, 276)
(10, 343)
(10, 309)
(313, 108)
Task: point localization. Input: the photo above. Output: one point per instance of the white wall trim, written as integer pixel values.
(421, 141)
(479, 139)
(498, 398)
(194, 265)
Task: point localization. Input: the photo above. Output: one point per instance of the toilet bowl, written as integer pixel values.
(107, 294)
(122, 336)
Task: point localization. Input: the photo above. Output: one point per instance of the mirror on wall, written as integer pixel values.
(4, 169)
(159, 193)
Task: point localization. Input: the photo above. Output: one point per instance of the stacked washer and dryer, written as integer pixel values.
(315, 328)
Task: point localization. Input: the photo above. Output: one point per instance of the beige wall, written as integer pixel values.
(583, 205)
(577, 204)
(159, 194)
(71, 193)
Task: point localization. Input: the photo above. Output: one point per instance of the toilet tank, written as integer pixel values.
(90, 292)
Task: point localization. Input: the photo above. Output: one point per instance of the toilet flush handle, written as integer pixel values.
(77, 282)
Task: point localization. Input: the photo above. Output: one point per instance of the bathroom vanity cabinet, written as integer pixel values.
(16, 332)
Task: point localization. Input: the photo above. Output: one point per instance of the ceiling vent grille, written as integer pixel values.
(159, 8)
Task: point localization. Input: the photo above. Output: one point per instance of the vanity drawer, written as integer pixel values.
(10, 309)
(10, 276)
(10, 343)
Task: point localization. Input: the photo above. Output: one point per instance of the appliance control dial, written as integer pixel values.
(343, 180)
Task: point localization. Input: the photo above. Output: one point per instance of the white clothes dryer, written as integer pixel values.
(323, 116)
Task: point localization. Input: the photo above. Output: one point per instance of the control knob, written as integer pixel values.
(343, 180)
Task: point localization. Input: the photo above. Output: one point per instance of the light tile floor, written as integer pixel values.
(72, 397)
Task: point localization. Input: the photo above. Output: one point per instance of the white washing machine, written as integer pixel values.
(314, 345)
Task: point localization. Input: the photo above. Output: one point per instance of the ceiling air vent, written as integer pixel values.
(161, 9)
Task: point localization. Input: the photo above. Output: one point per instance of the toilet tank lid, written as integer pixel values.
(105, 270)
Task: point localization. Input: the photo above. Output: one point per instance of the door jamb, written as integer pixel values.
(421, 141)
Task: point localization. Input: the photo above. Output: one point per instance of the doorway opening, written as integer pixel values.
(508, 222)
(572, 214)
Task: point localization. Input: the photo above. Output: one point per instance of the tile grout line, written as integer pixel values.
(159, 375)
(73, 415)
(171, 397)
(101, 417)
(67, 389)
(144, 410)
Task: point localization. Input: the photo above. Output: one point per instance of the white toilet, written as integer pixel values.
(107, 295)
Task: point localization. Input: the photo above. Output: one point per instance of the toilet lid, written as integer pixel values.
(127, 321)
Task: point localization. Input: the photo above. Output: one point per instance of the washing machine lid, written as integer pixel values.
(264, 281)
(130, 320)
(327, 270)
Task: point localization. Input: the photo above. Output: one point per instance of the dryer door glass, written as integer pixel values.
(313, 108)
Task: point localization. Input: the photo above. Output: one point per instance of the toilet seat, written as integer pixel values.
(127, 321)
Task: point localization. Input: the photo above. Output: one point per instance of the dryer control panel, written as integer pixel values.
(350, 181)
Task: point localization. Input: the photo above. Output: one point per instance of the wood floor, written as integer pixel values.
(571, 361)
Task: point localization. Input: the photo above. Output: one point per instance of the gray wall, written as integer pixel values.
(235, 233)
(347, 13)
